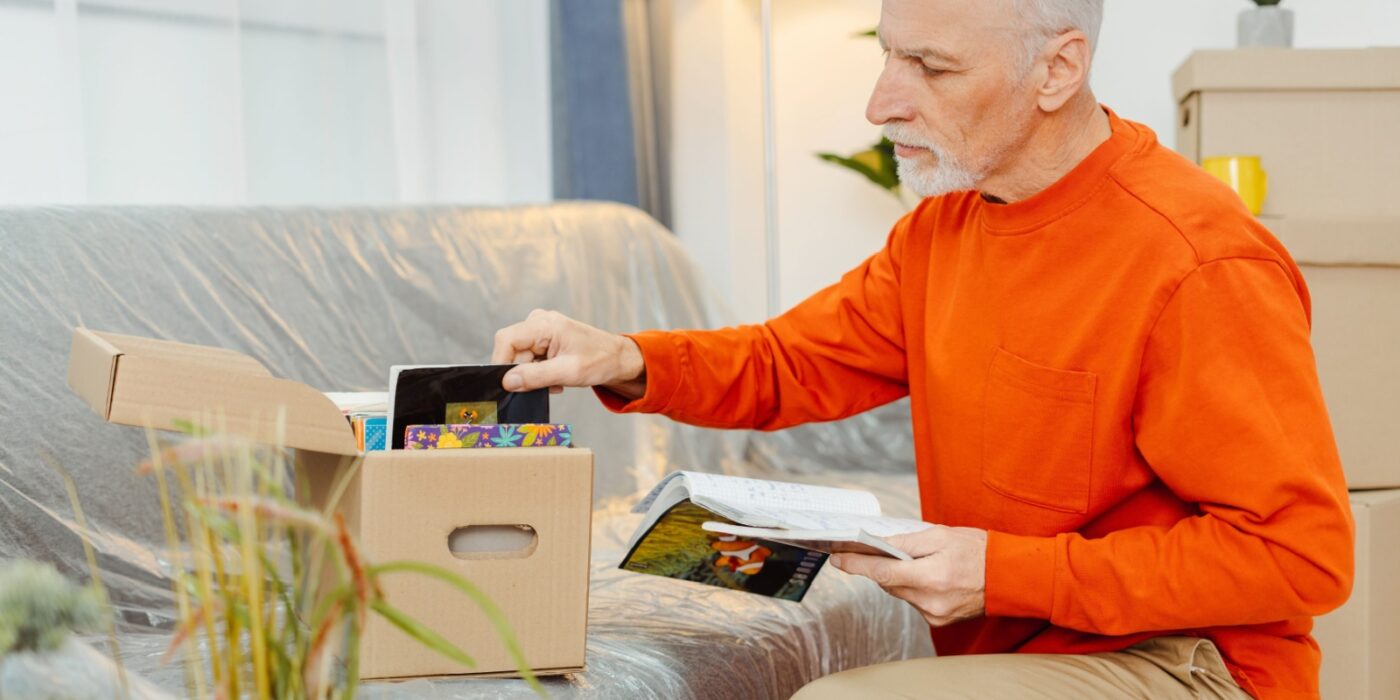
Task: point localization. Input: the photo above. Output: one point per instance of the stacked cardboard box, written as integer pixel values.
(463, 510)
(1326, 124)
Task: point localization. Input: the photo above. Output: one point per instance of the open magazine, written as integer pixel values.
(765, 537)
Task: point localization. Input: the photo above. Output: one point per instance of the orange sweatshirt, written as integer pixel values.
(1113, 377)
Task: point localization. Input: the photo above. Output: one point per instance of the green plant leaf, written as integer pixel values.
(341, 593)
(420, 632)
(352, 664)
(186, 426)
(876, 163)
(886, 147)
(870, 163)
(493, 613)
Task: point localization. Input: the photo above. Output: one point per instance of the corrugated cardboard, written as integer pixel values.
(139, 381)
(400, 505)
(1360, 640)
(1352, 268)
(1288, 69)
(1323, 120)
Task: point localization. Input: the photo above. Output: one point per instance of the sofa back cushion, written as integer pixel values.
(330, 298)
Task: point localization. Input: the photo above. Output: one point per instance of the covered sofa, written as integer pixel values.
(333, 297)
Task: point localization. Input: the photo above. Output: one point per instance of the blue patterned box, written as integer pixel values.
(376, 433)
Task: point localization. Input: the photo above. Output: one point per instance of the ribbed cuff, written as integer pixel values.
(1020, 576)
(662, 355)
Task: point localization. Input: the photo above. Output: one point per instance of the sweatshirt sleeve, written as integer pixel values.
(1230, 416)
(840, 352)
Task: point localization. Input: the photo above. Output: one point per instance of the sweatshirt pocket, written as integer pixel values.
(1038, 433)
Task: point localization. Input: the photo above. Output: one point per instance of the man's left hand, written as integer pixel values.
(946, 581)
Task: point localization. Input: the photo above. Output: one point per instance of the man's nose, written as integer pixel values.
(890, 99)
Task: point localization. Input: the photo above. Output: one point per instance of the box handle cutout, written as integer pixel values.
(493, 542)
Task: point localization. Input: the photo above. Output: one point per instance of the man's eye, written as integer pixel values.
(932, 72)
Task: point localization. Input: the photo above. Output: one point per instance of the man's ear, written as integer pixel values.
(1068, 58)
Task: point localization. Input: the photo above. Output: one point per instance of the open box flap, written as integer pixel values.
(92, 366)
(163, 384)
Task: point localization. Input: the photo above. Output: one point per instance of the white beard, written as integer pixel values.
(946, 175)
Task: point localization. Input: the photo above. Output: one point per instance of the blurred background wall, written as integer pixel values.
(658, 103)
(829, 219)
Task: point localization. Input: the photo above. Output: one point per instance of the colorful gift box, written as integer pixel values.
(441, 437)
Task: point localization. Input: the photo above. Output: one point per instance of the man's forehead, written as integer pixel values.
(922, 48)
(942, 29)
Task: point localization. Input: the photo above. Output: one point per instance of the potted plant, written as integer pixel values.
(1266, 24)
(277, 592)
(271, 595)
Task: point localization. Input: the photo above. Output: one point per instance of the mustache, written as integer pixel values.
(901, 134)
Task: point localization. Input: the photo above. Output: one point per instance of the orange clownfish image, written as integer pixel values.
(740, 556)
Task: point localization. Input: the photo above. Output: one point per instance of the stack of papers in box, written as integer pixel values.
(367, 412)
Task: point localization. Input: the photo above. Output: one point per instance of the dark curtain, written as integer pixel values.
(606, 64)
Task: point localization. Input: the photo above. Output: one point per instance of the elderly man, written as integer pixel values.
(1117, 419)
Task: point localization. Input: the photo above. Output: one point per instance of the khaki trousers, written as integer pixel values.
(1162, 668)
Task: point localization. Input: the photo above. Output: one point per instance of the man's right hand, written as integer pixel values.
(555, 351)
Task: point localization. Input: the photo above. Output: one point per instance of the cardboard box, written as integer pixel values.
(1361, 639)
(1324, 121)
(435, 506)
(1352, 268)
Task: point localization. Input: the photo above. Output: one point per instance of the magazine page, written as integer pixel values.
(676, 546)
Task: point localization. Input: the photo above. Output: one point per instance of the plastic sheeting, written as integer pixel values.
(332, 298)
(74, 670)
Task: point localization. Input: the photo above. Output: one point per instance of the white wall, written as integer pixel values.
(829, 219)
(39, 122)
(316, 117)
(717, 150)
(274, 101)
(486, 108)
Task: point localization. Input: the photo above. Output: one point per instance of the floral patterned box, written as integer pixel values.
(442, 437)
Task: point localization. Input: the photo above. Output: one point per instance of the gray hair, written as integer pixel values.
(1048, 18)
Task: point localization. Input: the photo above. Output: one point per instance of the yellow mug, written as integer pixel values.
(1244, 175)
